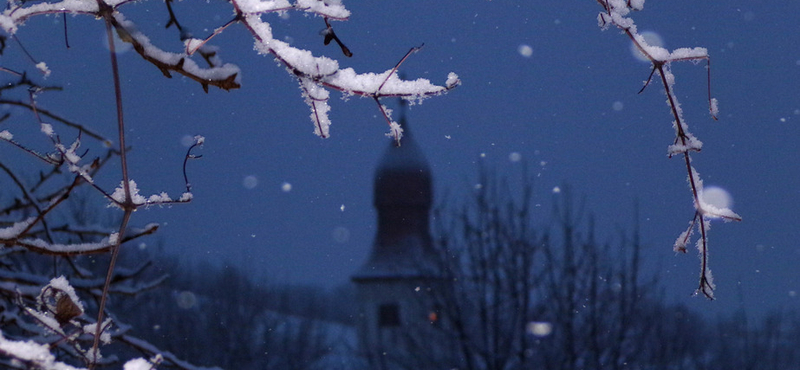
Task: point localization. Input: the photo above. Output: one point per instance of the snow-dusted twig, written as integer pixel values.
(77, 249)
(317, 75)
(322, 72)
(198, 143)
(616, 14)
(57, 311)
(225, 76)
(56, 118)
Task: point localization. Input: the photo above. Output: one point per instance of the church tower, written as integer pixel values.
(393, 282)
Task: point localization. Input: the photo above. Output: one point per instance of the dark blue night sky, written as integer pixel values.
(541, 82)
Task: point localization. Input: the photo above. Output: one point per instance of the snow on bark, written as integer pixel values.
(326, 8)
(38, 355)
(15, 230)
(303, 64)
(182, 61)
(318, 73)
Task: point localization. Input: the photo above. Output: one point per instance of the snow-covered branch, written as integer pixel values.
(58, 321)
(318, 73)
(616, 13)
(224, 76)
(315, 73)
(58, 313)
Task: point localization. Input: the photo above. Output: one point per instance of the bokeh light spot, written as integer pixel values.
(525, 50)
(717, 197)
(540, 328)
(120, 47)
(250, 182)
(341, 234)
(186, 300)
(187, 140)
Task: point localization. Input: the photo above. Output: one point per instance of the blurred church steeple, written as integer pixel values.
(400, 260)
(403, 194)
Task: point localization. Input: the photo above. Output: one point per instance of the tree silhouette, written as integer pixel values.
(513, 295)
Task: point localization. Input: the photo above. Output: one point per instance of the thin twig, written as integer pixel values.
(186, 159)
(128, 206)
(411, 51)
(683, 139)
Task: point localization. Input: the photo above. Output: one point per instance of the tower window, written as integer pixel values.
(388, 315)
